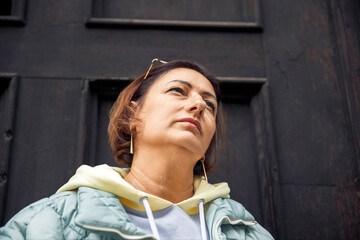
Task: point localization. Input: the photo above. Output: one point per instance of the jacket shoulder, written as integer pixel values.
(33, 220)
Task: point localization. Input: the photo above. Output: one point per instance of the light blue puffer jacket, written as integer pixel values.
(94, 214)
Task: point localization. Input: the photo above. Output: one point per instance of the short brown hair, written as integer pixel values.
(122, 112)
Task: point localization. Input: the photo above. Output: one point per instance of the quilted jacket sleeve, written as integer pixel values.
(254, 232)
(38, 220)
(17, 226)
(228, 219)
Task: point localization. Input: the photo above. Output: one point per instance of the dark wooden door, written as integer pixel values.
(290, 83)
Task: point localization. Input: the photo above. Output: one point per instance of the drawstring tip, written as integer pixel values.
(145, 201)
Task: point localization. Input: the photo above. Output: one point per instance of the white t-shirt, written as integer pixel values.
(171, 222)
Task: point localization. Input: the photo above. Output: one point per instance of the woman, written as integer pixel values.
(163, 125)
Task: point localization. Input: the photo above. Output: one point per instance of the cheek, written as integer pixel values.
(213, 133)
(212, 129)
(155, 117)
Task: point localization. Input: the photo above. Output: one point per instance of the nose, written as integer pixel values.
(196, 105)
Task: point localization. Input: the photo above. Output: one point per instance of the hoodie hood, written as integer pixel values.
(111, 179)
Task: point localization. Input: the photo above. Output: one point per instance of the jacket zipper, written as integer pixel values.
(232, 222)
(113, 230)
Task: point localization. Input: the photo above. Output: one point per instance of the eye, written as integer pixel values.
(211, 105)
(177, 90)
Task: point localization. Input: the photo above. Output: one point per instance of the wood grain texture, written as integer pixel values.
(209, 10)
(8, 94)
(315, 149)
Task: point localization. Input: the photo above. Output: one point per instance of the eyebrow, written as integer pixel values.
(190, 86)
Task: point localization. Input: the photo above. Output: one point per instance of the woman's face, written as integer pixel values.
(179, 110)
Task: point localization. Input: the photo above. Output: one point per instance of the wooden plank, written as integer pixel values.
(44, 145)
(182, 14)
(91, 52)
(346, 13)
(8, 94)
(314, 147)
(267, 163)
(171, 24)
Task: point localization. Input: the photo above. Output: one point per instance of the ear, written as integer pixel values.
(134, 122)
(133, 104)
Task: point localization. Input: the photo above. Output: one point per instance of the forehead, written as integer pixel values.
(196, 79)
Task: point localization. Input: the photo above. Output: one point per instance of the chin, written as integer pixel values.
(190, 144)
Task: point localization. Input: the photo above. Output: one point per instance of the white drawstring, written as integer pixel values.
(202, 219)
(144, 201)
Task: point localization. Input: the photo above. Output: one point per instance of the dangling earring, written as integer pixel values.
(131, 144)
(202, 162)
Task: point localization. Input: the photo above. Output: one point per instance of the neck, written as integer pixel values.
(168, 175)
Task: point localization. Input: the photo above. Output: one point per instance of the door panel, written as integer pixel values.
(290, 88)
(43, 157)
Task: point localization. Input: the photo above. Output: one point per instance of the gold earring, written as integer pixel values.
(202, 162)
(131, 144)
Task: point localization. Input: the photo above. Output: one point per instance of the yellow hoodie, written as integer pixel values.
(111, 179)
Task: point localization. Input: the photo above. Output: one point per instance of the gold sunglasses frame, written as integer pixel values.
(152, 63)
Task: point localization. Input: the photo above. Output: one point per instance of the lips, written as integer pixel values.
(192, 121)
